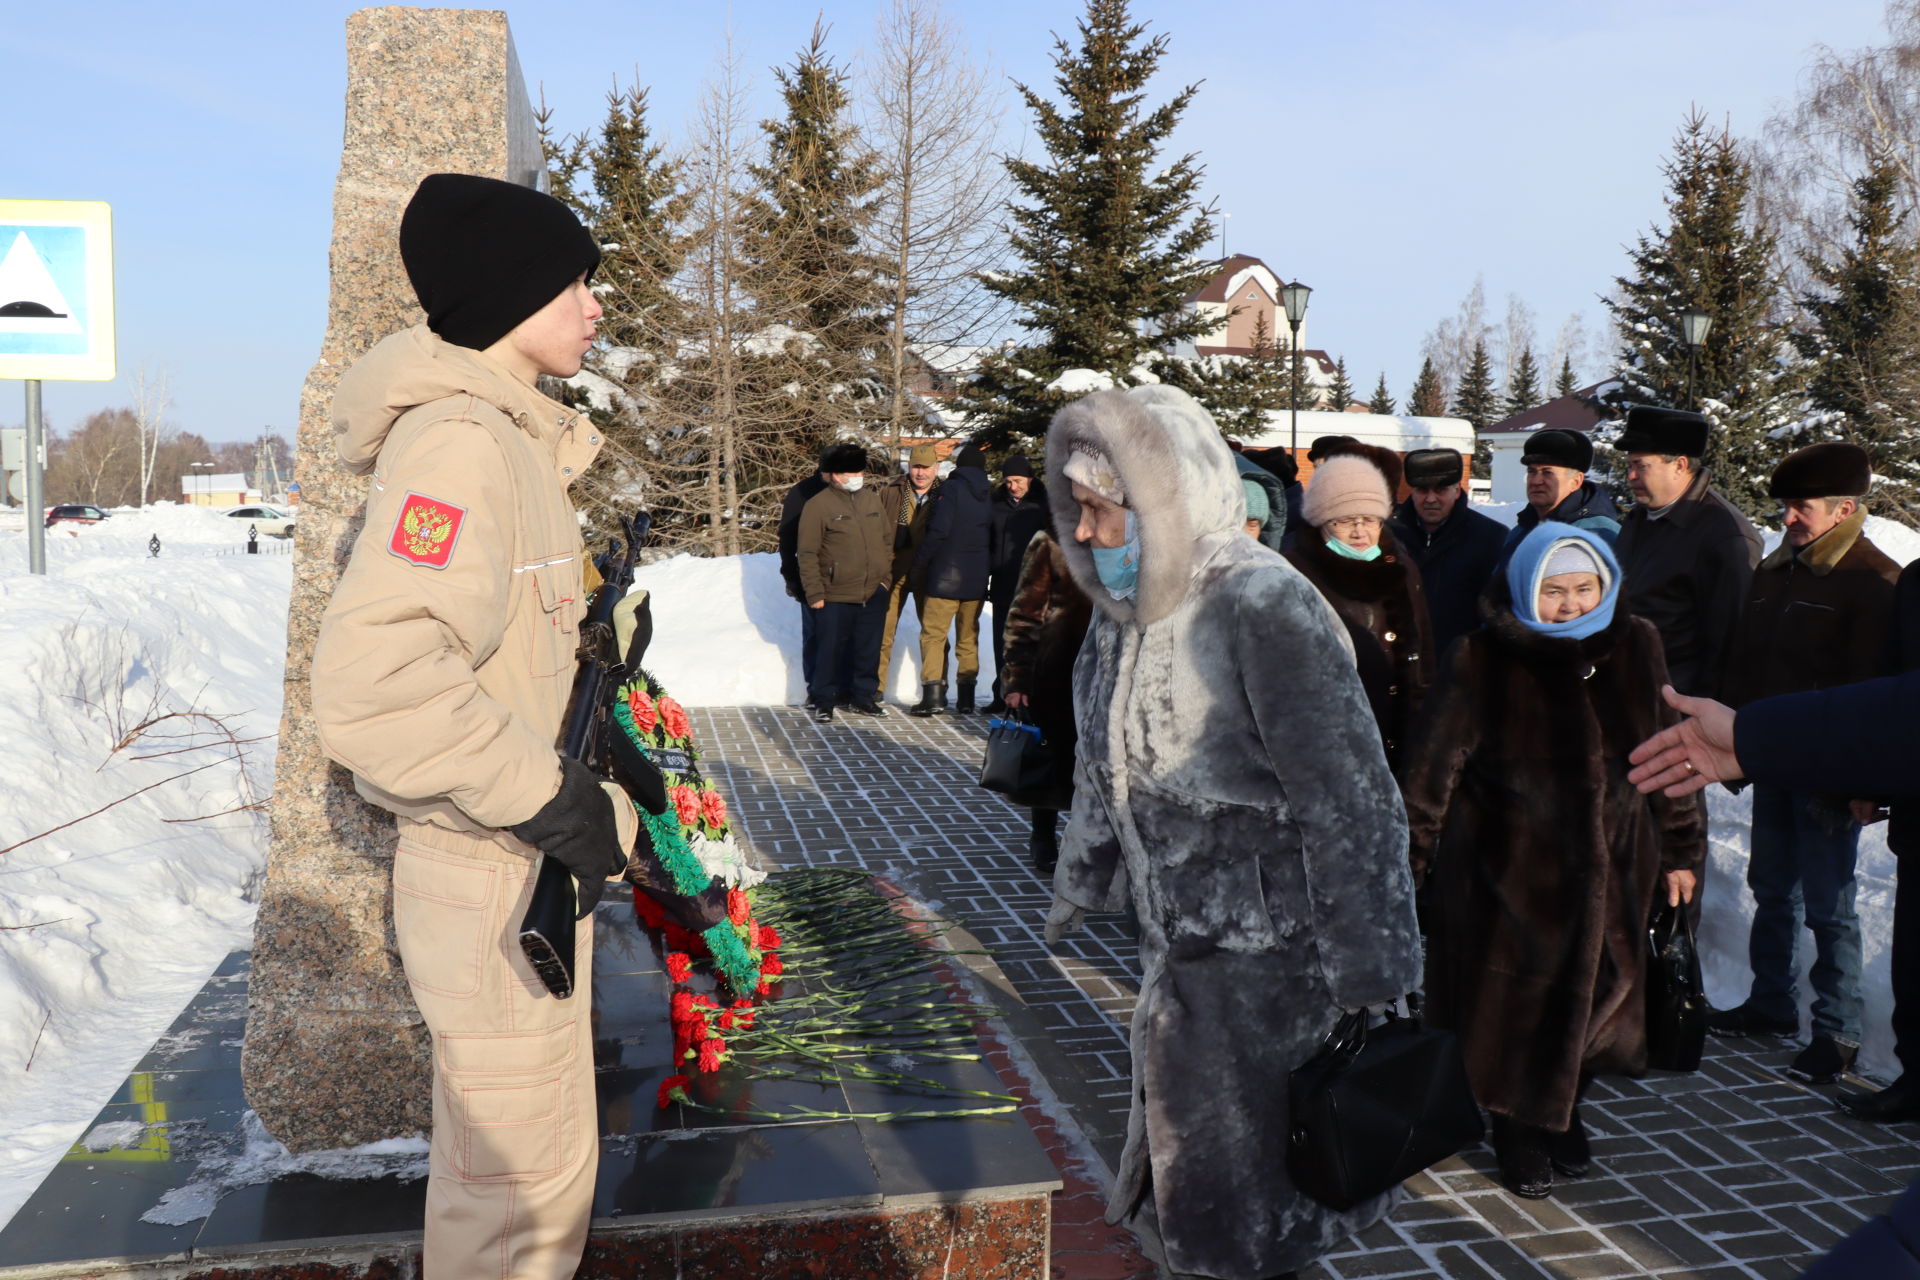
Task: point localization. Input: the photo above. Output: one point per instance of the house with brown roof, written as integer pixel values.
(1241, 292)
(1506, 439)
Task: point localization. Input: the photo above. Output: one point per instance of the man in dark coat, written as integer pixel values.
(914, 503)
(1688, 553)
(1558, 488)
(1454, 546)
(1817, 616)
(790, 507)
(844, 549)
(1046, 623)
(950, 574)
(1900, 1101)
(1019, 510)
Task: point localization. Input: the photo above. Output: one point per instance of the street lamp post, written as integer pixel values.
(1694, 327)
(1293, 297)
(202, 471)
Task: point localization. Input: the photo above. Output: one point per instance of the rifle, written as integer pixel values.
(546, 934)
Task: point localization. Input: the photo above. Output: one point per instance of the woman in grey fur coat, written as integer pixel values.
(1231, 786)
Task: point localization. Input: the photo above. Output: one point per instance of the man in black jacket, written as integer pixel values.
(1686, 553)
(1019, 511)
(1558, 488)
(790, 508)
(1454, 546)
(950, 583)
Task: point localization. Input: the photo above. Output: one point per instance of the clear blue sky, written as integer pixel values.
(1383, 151)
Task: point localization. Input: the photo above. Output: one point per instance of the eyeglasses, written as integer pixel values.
(1356, 522)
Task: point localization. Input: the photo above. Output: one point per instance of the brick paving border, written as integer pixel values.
(1730, 1172)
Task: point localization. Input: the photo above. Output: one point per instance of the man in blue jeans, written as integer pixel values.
(1816, 617)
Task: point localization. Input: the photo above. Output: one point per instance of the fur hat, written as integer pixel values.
(1344, 486)
(923, 455)
(1385, 460)
(1673, 432)
(970, 456)
(1557, 448)
(1830, 470)
(483, 254)
(1017, 465)
(839, 459)
(1327, 446)
(1433, 468)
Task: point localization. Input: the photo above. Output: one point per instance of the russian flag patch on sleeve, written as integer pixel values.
(427, 531)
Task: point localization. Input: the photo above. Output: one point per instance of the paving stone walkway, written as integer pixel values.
(1733, 1171)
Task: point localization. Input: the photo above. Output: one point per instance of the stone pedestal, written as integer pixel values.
(336, 1054)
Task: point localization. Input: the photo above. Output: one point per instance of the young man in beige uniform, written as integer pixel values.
(440, 677)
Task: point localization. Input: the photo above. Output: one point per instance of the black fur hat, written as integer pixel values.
(1432, 468)
(1831, 470)
(1556, 448)
(839, 459)
(1674, 432)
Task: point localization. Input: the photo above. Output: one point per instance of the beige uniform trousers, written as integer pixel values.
(896, 601)
(515, 1140)
(936, 615)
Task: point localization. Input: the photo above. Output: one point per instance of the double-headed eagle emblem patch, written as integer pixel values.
(426, 531)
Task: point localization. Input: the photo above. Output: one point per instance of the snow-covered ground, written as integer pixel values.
(108, 927)
(145, 692)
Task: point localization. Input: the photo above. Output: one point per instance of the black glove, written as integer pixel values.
(579, 828)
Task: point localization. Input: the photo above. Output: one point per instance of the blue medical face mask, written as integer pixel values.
(1352, 552)
(1119, 567)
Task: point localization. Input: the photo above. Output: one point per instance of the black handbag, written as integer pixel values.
(1375, 1106)
(1019, 764)
(1676, 999)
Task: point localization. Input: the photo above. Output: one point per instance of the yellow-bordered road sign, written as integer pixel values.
(56, 290)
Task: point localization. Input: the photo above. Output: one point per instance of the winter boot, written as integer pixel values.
(1044, 845)
(933, 699)
(1571, 1154)
(1525, 1167)
(963, 701)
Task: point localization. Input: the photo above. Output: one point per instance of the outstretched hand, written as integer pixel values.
(1685, 758)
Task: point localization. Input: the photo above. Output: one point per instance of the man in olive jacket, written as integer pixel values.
(845, 553)
(1686, 552)
(912, 504)
(1817, 617)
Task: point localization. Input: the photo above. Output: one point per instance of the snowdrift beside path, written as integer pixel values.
(109, 926)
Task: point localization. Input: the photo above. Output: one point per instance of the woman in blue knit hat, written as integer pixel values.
(1545, 862)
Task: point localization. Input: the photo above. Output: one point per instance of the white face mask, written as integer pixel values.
(852, 484)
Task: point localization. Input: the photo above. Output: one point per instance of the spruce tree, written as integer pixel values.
(1714, 256)
(1382, 401)
(1106, 236)
(1863, 370)
(1428, 399)
(1340, 394)
(1565, 384)
(1476, 400)
(1523, 385)
(1238, 391)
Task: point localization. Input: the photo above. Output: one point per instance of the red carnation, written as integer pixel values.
(699, 1029)
(649, 911)
(772, 967)
(678, 939)
(686, 804)
(727, 1020)
(679, 967)
(682, 1007)
(761, 988)
(715, 810)
(737, 906)
(674, 716)
(743, 1013)
(767, 938)
(711, 1053)
(643, 711)
(706, 1001)
(670, 1086)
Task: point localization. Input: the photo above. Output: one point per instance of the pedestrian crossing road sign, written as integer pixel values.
(56, 290)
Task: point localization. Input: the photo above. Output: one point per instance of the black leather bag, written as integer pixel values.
(1676, 999)
(1375, 1106)
(1019, 765)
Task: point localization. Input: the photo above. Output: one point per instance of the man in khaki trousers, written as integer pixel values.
(917, 487)
(440, 678)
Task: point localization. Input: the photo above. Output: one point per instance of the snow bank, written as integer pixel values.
(109, 926)
(726, 633)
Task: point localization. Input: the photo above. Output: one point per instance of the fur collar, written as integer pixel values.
(1367, 580)
(1826, 551)
(1180, 483)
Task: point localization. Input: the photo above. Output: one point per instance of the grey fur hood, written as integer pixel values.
(1180, 482)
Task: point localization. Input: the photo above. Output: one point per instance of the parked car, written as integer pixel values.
(74, 513)
(268, 520)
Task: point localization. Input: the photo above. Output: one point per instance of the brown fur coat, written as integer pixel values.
(1046, 622)
(1545, 861)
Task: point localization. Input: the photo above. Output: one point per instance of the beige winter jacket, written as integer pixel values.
(446, 655)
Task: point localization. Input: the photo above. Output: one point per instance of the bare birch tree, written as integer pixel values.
(150, 404)
(1450, 344)
(934, 117)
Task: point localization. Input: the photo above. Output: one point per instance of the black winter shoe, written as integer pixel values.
(963, 701)
(1898, 1102)
(1525, 1168)
(823, 715)
(1569, 1151)
(933, 700)
(1044, 848)
(1745, 1020)
(1823, 1061)
(866, 708)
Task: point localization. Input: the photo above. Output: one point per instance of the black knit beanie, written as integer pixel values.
(483, 254)
(1017, 465)
(970, 456)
